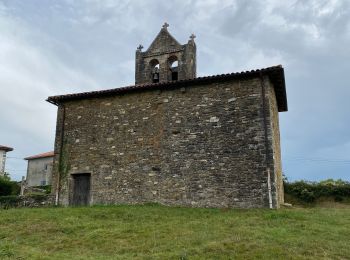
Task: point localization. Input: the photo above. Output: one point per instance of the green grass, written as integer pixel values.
(157, 232)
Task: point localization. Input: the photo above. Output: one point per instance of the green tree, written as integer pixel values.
(8, 187)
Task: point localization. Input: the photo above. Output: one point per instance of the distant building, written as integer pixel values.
(3, 151)
(39, 170)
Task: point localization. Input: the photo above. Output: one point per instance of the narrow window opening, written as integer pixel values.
(154, 64)
(174, 65)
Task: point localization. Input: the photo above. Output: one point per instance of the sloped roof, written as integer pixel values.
(163, 41)
(275, 73)
(5, 148)
(41, 155)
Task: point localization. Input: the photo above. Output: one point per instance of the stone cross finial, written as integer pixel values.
(192, 36)
(165, 25)
(140, 48)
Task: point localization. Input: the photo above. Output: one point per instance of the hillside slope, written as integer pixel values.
(157, 232)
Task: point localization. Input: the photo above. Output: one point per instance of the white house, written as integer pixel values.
(3, 151)
(39, 170)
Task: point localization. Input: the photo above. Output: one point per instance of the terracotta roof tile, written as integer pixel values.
(42, 155)
(275, 73)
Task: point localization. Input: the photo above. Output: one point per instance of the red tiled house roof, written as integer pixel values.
(5, 148)
(42, 155)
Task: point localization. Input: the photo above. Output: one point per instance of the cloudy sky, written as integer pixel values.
(50, 47)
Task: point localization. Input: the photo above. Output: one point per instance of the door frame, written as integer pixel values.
(71, 186)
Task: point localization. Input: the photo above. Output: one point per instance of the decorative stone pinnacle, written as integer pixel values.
(140, 48)
(192, 36)
(165, 25)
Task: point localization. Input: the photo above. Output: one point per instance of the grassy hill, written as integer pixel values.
(157, 232)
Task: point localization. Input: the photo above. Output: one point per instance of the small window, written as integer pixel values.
(42, 183)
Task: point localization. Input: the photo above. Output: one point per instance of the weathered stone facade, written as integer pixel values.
(205, 142)
(28, 201)
(165, 50)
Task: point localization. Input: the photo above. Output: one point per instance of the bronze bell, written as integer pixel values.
(155, 76)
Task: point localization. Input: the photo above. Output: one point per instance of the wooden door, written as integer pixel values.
(81, 189)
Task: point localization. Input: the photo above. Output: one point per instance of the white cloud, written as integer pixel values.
(70, 46)
(29, 74)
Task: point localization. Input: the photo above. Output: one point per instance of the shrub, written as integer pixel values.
(16, 188)
(5, 186)
(8, 187)
(311, 191)
(307, 196)
(9, 201)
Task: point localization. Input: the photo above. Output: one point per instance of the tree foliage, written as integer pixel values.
(8, 187)
(310, 191)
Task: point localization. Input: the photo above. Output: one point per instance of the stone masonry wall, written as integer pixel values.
(29, 201)
(201, 146)
(275, 133)
(165, 49)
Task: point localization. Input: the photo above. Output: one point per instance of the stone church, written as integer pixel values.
(173, 138)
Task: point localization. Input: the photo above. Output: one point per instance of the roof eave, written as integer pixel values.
(6, 148)
(275, 73)
(41, 157)
(51, 101)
